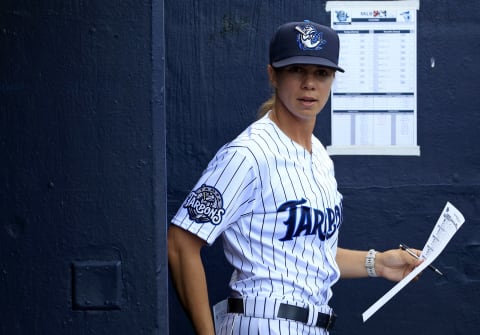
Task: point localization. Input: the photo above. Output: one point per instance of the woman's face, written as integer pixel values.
(302, 90)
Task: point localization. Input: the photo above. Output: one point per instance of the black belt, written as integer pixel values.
(291, 312)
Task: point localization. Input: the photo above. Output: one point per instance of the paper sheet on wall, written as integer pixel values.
(374, 103)
(447, 225)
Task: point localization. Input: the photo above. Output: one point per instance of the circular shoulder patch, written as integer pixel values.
(205, 205)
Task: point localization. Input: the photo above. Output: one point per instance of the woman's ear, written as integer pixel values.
(272, 76)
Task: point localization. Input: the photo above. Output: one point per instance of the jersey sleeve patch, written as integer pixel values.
(204, 205)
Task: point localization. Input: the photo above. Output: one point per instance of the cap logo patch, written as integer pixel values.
(309, 38)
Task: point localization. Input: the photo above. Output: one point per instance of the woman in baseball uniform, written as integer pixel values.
(272, 197)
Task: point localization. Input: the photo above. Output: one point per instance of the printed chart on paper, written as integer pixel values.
(374, 103)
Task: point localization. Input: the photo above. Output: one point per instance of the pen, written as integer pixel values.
(407, 249)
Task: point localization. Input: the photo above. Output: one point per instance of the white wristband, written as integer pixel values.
(370, 263)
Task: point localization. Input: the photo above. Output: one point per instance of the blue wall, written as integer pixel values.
(216, 79)
(82, 152)
(83, 159)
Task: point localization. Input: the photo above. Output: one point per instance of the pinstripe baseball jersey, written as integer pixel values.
(278, 211)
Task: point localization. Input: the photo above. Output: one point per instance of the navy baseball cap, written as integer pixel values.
(305, 43)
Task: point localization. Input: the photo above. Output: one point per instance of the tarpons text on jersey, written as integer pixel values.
(206, 205)
(303, 220)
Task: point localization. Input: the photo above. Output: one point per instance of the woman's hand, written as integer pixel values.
(395, 264)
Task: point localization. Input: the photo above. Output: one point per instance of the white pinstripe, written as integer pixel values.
(257, 173)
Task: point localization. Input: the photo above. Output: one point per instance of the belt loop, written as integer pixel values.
(331, 321)
(312, 315)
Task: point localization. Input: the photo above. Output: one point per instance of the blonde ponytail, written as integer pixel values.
(265, 107)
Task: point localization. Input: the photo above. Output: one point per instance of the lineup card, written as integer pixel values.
(446, 227)
(374, 103)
